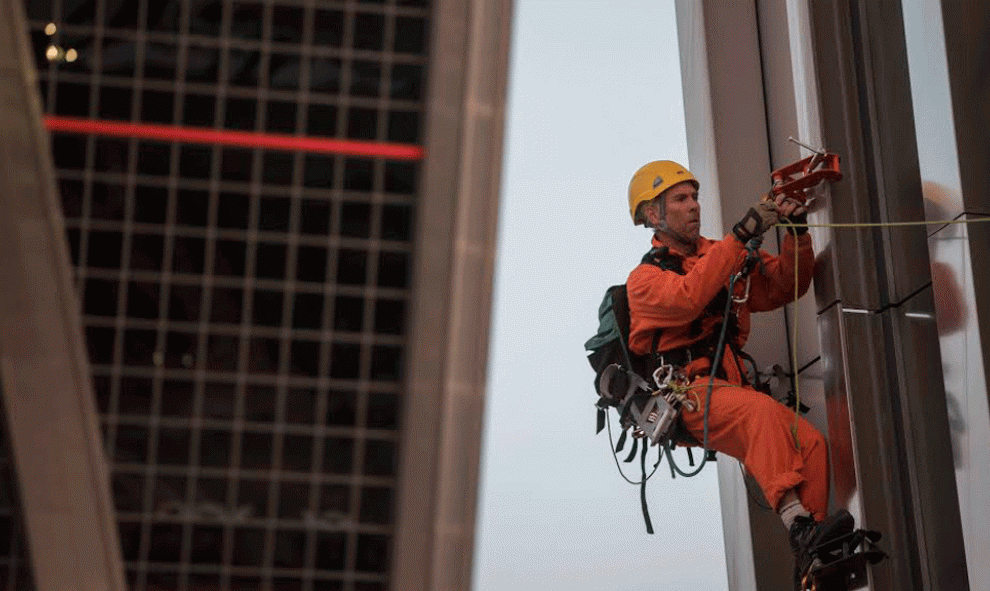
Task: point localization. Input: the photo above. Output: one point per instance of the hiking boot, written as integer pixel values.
(805, 534)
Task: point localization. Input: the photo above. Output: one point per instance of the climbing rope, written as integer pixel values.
(752, 257)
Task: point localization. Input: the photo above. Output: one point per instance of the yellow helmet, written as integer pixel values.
(653, 179)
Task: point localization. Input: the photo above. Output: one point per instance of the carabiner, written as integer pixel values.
(742, 299)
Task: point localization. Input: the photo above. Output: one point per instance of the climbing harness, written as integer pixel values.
(650, 412)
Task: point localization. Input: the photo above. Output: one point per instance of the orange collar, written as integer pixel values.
(703, 245)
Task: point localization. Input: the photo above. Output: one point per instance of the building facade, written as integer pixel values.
(893, 366)
(279, 219)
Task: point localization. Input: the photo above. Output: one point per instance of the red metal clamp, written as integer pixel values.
(793, 180)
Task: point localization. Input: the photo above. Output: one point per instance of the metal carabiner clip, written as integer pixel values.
(745, 296)
(662, 376)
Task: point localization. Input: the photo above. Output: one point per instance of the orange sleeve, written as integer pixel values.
(660, 298)
(773, 281)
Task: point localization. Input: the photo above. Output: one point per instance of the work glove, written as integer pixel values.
(798, 218)
(794, 212)
(760, 218)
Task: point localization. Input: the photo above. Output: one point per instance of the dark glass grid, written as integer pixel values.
(245, 310)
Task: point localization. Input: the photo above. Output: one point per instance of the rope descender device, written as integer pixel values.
(794, 180)
(669, 396)
(649, 413)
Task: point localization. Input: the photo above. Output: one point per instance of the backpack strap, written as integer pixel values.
(662, 258)
(642, 488)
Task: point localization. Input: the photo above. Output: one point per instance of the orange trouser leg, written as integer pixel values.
(756, 430)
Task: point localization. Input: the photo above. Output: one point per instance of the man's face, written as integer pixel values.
(683, 214)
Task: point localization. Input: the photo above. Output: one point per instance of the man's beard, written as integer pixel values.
(689, 243)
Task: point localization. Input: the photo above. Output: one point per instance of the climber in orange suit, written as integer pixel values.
(677, 298)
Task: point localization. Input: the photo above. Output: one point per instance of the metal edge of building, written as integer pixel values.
(57, 448)
(445, 368)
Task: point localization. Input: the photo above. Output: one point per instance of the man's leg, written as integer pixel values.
(791, 509)
(757, 430)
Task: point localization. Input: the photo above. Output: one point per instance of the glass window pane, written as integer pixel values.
(284, 71)
(204, 17)
(270, 261)
(185, 302)
(202, 64)
(369, 31)
(287, 24)
(410, 35)
(345, 361)
(328, 28)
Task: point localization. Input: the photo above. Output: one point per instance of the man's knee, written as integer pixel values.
(767, 408)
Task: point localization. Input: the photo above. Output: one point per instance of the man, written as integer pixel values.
(677, 297)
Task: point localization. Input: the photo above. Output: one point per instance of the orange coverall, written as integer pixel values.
(743, 423)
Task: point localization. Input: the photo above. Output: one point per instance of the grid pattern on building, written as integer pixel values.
(15, 571)
(244, 310)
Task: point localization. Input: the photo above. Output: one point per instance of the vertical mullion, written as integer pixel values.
(302, 118)
(257, 188)
(244, 332)
(201, 372)
(354, 483)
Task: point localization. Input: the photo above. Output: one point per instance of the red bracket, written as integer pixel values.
(792, 180)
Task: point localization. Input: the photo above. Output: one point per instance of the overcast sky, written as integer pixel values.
(594, 93)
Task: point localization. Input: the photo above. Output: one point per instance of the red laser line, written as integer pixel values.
(225, 137)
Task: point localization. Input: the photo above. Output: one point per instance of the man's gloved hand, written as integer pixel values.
(793, 212)
(797, 218)
(760, 218)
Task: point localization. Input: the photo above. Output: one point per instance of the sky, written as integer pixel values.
(594, 93)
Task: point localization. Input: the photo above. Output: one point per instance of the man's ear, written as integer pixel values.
(652, 212)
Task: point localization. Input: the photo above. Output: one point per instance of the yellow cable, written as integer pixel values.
(794, 357)
(883, 224)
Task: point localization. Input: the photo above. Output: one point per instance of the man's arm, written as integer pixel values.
(665, 298)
